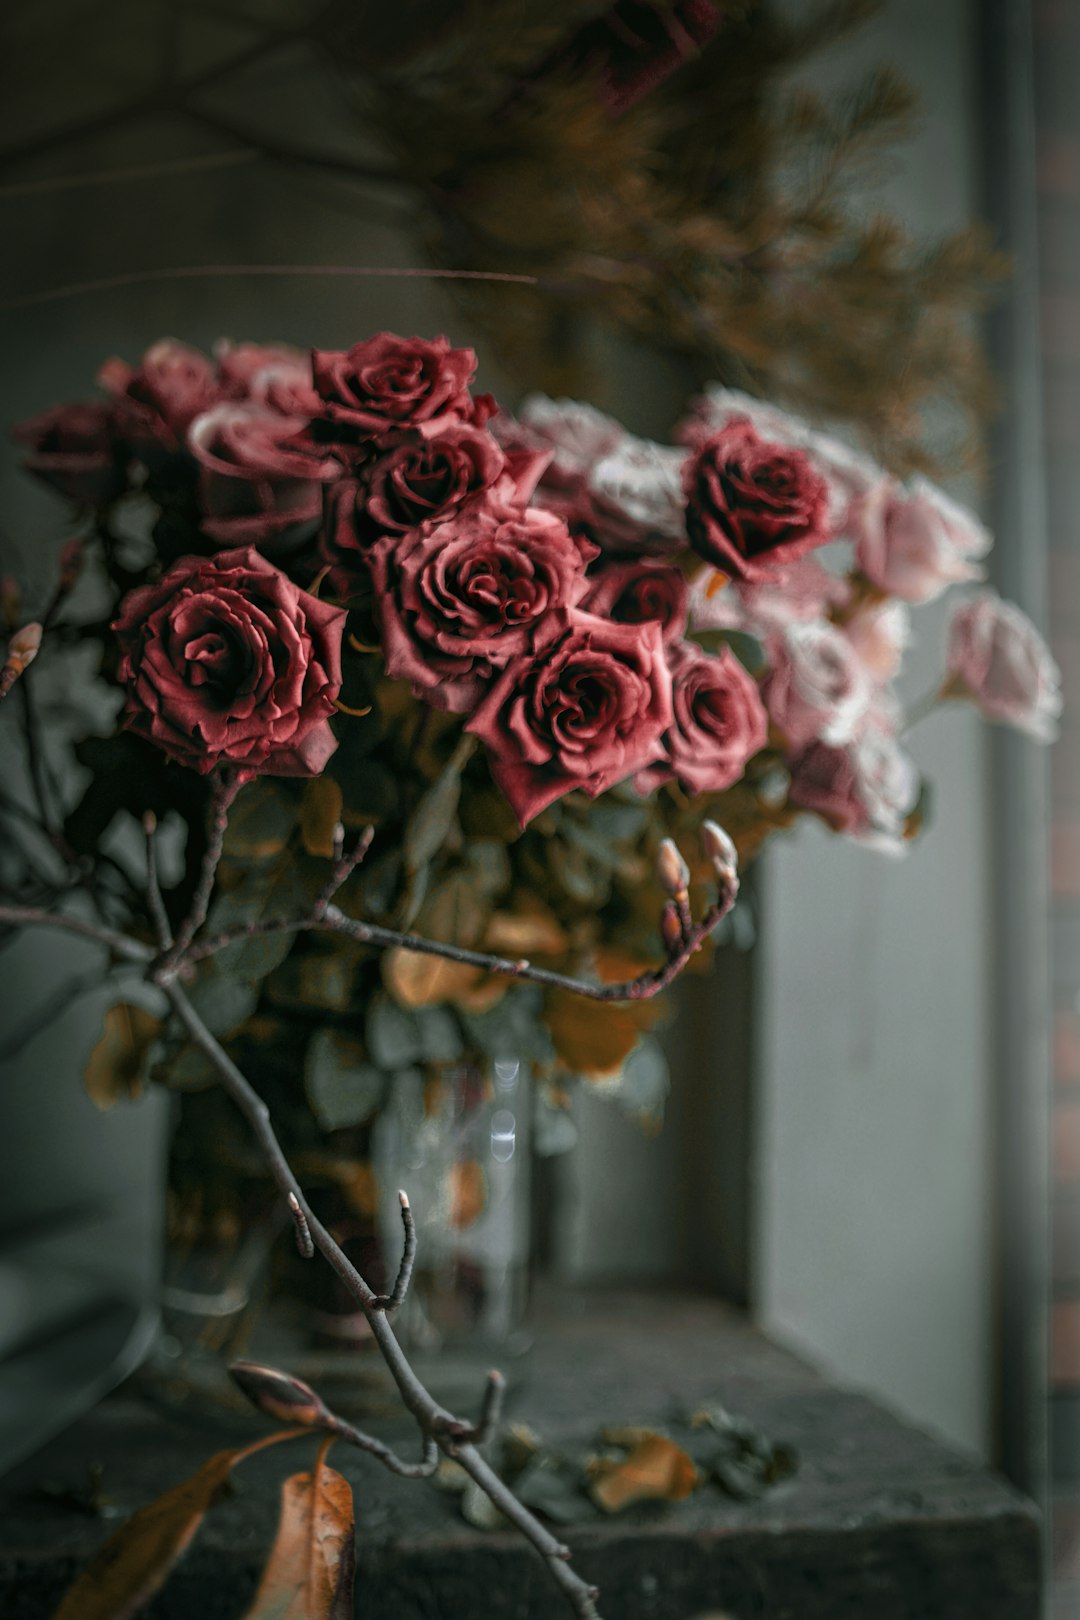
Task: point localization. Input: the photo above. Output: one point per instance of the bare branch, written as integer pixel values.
(303, 1231)
(225, 788)
(122, 945)
(478, 1434)
(344, 866)
(391, 1301)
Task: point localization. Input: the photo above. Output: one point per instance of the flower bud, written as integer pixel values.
(22, 650)
(720, 850)
(671, 869)
(280, 1395)
(671, 928)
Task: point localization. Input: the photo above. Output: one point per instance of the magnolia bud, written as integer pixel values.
(280, 1395)
(671, 928)
(22, 650)
(720, 850)
(671, 869)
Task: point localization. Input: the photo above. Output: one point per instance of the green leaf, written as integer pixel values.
(342, 1087)
(554, 1130)
(440, 1037)
(393, 1035)
(221, 1001)
(433, 817)
(265, 894)
(512, 1028)
(260, 822)
(644, 1082)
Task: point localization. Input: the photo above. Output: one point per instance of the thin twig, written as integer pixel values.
(303, 1231)
(224, 791)
(121, 945)
(429, 1457)
(344, 866)
(396, 1297)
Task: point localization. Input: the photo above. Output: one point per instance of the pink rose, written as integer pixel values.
(914, 543)
(226, 662)
(159, 399)
(74, 448)
(719, 722)
(807, 591)
(998, 659)
(389, 382)
(816, 688)
(753, 507)
(636, 591)
(254, 483)
(585, 708)
(879, 633)
(459, 599)
(866, 789)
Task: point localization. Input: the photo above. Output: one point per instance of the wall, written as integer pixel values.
(873, 1202)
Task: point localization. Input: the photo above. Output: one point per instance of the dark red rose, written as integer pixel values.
(719, 722)
(633, 592)
(74, 448)
(586, 708)
(227, 662)
(271, 374)
(753, 507)
(389, 382)
(254, 483)
(459, 599)
(157, 401)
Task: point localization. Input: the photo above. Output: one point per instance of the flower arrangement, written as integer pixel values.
(526, 649)
(453, 707)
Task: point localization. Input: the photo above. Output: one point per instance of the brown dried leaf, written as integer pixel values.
(115, 1068)
(468, 1193)
(531, 931)
(320, 814)
(656, 1470)
(312, 1565)
(591, 1038)
(134, 1563)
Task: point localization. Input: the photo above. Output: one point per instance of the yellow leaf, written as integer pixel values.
(656, 1469)
(320, 814)
(591, 1038)
(115, 1067)
(134, 1563)
(311, 1568)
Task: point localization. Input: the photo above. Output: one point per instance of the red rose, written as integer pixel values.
(273, 374)
(74, 448)
(587, 707)
(254, 483)
(636, 592)
(390, 382)
(753, 507)
(719, 722)
(459, 599)
(158, 400)
(227, 662)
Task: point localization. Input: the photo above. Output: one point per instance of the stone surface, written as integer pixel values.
(880, 1522)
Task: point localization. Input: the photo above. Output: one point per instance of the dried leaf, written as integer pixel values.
(134, 1563)
(590, 1038)
(320, 815)
(468, 1193)
(531, 931)
(116, 1066)
(312, 1565)
(260, 822)
(342, 1087)
(656, 1469)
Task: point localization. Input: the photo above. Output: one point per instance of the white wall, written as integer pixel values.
(872, 1176)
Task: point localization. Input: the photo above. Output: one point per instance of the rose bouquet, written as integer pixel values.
(534, 654)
